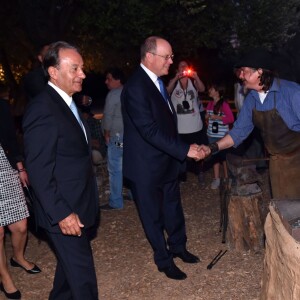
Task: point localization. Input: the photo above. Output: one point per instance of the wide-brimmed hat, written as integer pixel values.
(256, 59)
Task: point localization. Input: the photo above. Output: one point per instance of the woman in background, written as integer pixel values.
(184, 90)
(13, 208)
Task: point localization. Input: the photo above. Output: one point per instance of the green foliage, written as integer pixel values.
(109, 32)
(267, 23)
(193, 6)
(121, 26)
(189, 25)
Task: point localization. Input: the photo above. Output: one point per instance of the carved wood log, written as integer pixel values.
(245, 223)
(281, 276)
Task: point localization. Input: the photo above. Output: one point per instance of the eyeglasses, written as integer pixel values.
(166, 57)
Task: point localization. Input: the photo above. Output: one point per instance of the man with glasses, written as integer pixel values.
(273, 106)
(153, 155)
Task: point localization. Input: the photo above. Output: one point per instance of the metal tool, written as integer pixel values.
(216, 259)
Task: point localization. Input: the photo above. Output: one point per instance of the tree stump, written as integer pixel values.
(245, 222)
(281, 276)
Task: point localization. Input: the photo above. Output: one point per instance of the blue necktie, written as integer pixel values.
(163, 89)
(75, 112)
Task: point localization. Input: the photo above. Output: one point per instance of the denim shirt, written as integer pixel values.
(283, 95)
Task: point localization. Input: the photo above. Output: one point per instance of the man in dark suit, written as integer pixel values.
(35, 80)
(153, 156)
(58, 160)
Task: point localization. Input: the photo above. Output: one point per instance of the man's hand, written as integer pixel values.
(194, 75)
(71, 225)
(205, 149)
(196, 152)
(24, 178)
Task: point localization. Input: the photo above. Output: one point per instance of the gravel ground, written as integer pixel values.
(124, 264)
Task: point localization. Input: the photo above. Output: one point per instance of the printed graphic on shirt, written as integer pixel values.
(185, 101)
(216, 128)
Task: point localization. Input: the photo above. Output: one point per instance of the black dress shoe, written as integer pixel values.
(173, 272)
(34, 270)
(187, 257)
(14, 295)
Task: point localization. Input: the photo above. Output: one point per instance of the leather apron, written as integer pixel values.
(283, 146)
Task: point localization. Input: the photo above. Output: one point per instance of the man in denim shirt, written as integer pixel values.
(113, 133)
(273, 106)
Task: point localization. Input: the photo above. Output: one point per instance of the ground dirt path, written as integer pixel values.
(124, 265)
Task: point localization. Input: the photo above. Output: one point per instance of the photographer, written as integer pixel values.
(184, 89)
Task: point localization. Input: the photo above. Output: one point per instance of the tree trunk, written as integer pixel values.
(245, 223)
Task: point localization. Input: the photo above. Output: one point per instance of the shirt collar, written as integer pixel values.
(150, 73)
(275, 85)
(63, 94)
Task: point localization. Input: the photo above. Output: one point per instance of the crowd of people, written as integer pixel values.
(151, 135)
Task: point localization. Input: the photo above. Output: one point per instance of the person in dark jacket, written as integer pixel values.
(35, 80)
(153, 157)
(57, 146)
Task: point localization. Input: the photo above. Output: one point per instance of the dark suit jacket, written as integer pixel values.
(58, 160)
(8, 139)
(153, 151)
(34, 82)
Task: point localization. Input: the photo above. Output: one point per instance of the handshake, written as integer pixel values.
(198, 152)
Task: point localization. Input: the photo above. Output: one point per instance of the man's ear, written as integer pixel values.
(52, 71)
(149, 56)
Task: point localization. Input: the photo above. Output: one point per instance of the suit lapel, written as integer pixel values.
(68, 113)
(155, 90)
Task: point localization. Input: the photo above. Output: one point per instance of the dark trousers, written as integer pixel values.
(75, 277)
(161, 211)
